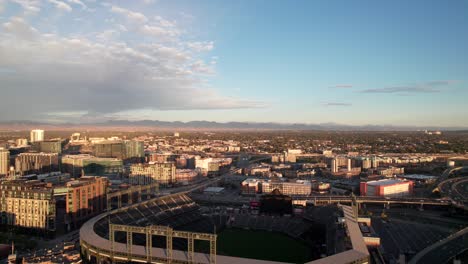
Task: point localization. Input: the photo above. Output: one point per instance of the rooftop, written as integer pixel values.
(384, 182)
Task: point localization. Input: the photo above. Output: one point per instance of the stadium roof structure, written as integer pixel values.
(358, 253)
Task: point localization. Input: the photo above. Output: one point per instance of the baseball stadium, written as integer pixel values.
(175, 229)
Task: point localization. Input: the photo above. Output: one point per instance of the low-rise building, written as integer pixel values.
(386, 188)
(288, 188)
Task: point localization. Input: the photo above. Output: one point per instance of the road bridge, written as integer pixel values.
(368, 200)
(456, 190)
(443, 250)
(446, 174)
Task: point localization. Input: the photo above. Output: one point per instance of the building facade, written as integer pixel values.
(37, 135)
(387, 188)
(4, 162)
(142, 174)
(85, 197)
(288, 188)
(29, 163)
(28, 204)
(84, 164)
(48, 146)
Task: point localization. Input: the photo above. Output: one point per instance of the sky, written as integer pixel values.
(347, 62)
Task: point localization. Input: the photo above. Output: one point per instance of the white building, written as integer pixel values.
(37, 135)
(288, 188)
(386, 188)
(4, 161)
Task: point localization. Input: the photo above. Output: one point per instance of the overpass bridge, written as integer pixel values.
(456, 189)
(303, 200)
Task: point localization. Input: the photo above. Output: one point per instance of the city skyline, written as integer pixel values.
(353, 63)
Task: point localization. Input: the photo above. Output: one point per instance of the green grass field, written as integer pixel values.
(262, 245)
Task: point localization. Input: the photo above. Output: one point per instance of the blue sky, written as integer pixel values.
(348, 62)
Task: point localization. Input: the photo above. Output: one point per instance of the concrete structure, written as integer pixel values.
(4, 162)
(37, 135)
(386, 188)
(162, 173)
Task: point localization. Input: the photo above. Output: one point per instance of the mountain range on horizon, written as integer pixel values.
(207, 125)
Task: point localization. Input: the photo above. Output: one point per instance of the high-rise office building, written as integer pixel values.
(37, 135)
(349, 165)
(134, 150)
(48, 146)
(28, 163)
(4, 162)
(110, 149)
(334, 165)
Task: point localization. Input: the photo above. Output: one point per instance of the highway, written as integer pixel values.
(444, 250)
(449, 171)
(456, 190)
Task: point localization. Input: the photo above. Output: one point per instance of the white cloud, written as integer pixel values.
(17, 28)
(104, 75)
(201, 46)
(342, 86)
(61, 5)
(78, 2)
(336, 104)
(122, 28)
(157, 31)
(423, 87)
(201, 67)
(132, 16)
(29, 6)
(164, 22)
